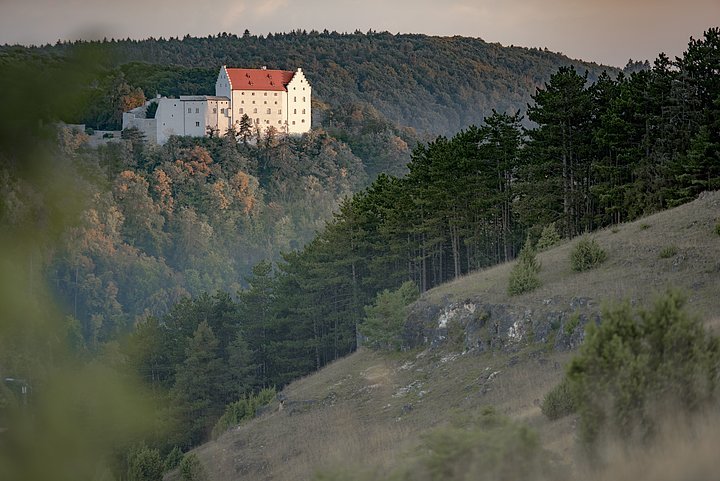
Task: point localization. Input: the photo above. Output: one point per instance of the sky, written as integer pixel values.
(608, 32)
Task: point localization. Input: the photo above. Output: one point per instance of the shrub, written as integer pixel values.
(636, 365)
(586, 255)
(524, 274)
(191, 469)
(717, 229)
(385, 318)
(173, 459)
(242, 410)
(668, 252)
(571, 324)
(144, 464)
(548, 238)
(559, 402)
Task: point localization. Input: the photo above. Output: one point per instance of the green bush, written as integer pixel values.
(191, 469)
(559, 402)
(144, 464)
(173, 459)
(242, 410)
(524, 274)
(717, 229)
(637, 365)
(668, 252)
(548, 238)
(586, 255)
(571, 324)
(385, 318)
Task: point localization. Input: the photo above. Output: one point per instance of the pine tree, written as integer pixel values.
(557, 179)
(196, 393)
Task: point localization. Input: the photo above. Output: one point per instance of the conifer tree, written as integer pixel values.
(196, 393)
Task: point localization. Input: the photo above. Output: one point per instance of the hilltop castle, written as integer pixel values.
(270, 98)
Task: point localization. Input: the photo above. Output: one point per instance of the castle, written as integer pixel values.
(270, 98)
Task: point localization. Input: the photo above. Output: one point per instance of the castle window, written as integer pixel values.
(257, 121)
(294, 111)
(197, 110)
(265, 102)
(303, 110)
(267, 121)
(279, 121)
(303, 121)
(253, 101)
(189, 110)
(268, 111)
(265, 94)
(214, 110)
(241, 111)
(275, 94)
(197, 124)
(242, 101)
(255, 110)
(252, 93)
(242, 93)
(280, 111)
(293, 122)
(303, 99)
(222, 111)
(276, 102)
(294, 99)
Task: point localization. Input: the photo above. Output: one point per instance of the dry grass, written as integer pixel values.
(686, 450)
(370, 409)
(633, 269)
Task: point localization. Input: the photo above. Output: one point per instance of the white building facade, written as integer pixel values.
(270, 98)
(277, 98)
(193, 115)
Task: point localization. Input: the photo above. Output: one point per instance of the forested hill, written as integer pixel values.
(437, 85)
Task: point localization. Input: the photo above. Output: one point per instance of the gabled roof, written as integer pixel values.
(259, 79)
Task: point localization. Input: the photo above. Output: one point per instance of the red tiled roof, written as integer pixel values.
(258, 79)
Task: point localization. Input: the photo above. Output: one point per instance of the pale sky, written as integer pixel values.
(609, 32)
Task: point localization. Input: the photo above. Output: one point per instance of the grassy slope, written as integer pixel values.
(370, 408)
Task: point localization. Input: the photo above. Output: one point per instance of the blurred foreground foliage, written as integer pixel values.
(76, 416)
